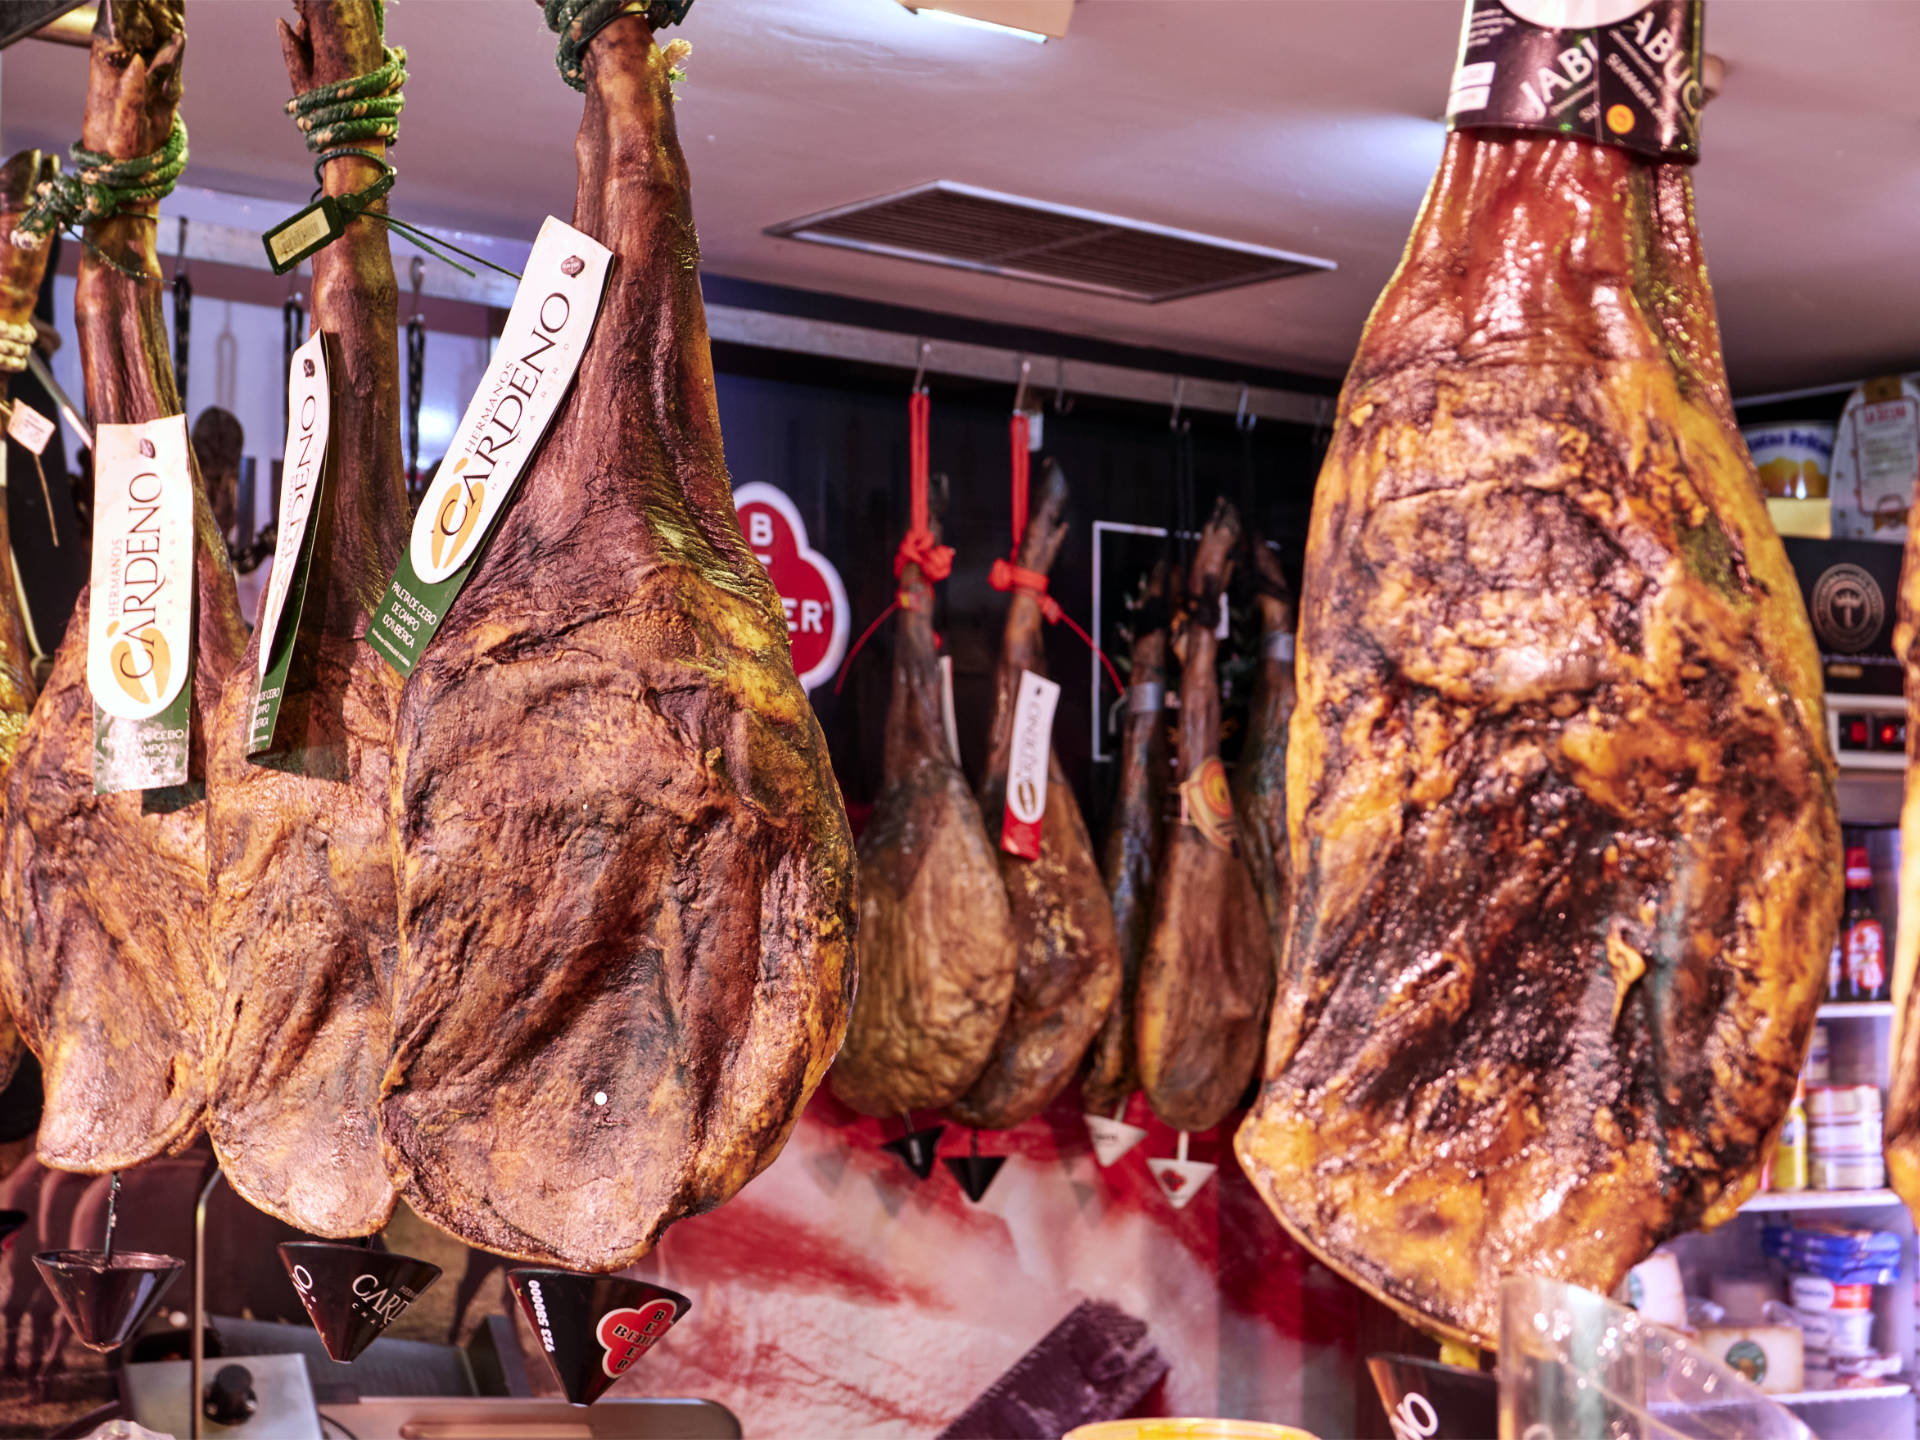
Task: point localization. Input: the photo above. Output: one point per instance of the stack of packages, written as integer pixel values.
(1843, 1137)
(1831, 1274)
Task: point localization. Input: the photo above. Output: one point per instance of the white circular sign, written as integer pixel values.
(1574, 14)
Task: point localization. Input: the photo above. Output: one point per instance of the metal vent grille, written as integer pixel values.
(970, 229)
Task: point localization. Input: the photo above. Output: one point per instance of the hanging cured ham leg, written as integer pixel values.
(626, 883)
(21, 271)
(1067, 957)
(1564, 842)
(936, 947)
(104, 897)
(305, 925)
(1206, 980)
(1260, 778)
(1135, 840)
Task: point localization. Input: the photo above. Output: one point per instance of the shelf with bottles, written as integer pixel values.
(1773, 1200)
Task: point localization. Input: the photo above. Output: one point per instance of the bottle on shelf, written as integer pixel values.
(1788, 1169)
(1864, 974)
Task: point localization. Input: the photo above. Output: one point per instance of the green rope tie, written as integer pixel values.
(16, 344)
(100, 186)
(354, 111)
(577, 21)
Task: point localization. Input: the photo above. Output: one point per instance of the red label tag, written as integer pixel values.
(626, 1335)
(809, 586)
(1026, 804)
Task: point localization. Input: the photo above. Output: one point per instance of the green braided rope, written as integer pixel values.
(356, 110)
(16, 344)
(577, 21)
(100, 186)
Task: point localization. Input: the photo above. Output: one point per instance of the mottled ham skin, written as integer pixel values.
(21, 271)
(1260, 776)
(626, 879)
(1136, 837)
(1564, 840)
(305, 928)
(1206, 977)
(103, 944)
(936, 941)
(1066, 954)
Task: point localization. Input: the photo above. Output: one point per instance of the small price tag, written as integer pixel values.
(28, 426)
(1026, 806)
(303, 234)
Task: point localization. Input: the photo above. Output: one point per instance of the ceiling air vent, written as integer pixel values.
(981, 230)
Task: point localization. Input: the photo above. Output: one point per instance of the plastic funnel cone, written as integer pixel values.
(593, 1327)
(106, 1300)
(352, 1293)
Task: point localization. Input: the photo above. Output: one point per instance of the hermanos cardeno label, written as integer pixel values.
(140, 616)
(533, 365)
(1026, 805)
(140, 605)
(1619, 72)
(309, 422)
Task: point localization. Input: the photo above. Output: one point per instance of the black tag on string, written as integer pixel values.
(304, 233)
(1619, 72)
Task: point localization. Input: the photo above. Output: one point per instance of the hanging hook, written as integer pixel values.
(180, 254)
(920, 374)
(1244, 419)
(1020, 390)
(1060, 400)
(417, 272)
(1179, 392)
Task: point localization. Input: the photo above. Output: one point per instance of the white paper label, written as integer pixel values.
(28, 426)
(310, 419)
(140, 614)
(540, 348)
(1887, 440)
(1180, 1180)
(946, 707)
(1027, 768)
(1111, 1138)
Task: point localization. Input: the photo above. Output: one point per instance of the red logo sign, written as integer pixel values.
(626, 1335)
(809, 586)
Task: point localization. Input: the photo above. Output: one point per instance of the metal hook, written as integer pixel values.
(180, 255)
(1243, 419)
(1060, 401)
(1179, 391)
(417, 272)
(920, 374)
(1020, 390)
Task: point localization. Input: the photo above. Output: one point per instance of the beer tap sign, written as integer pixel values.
(810, 589)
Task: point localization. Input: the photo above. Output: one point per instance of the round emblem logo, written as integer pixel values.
(1749, 1359)
(1848, 609)
(1574, 14)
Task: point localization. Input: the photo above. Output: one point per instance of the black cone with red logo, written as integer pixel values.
(353, 1293)
(106, 1297)
(593, 1328)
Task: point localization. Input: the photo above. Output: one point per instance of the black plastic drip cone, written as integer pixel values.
(916, 1149)
(594, 1328)
(1424, 1397)
(973, 1170)
(10, 1222)
(353, 1293)
(106, 1298)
